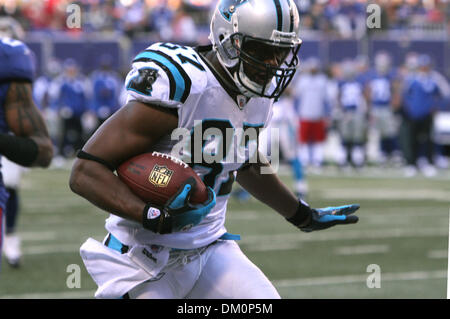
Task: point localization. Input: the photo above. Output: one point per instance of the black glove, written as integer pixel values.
(323, 218)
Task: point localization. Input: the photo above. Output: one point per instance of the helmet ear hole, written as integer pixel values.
(221, 37)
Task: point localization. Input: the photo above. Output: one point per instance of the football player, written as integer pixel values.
(285, 120)
(24, 137)
(106, 85)
(12, 175)
(313, 109)
(228, 86)
(420, 94)
(353, 115)
(71, 96)
(379, 94)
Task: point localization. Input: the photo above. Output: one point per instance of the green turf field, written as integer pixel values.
(403, 229)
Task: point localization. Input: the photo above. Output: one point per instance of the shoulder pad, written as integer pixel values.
(16, 61)
(166, 72)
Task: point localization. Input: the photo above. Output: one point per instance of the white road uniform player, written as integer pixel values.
(179, 78)
(200, 108)
(281, 135)
(138, 260)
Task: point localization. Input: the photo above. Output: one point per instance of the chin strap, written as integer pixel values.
(241, 79)
(237, 88)
(224, 81)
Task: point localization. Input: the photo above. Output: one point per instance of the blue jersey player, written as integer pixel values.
(380, 96)
(353, 118)
(23, 136)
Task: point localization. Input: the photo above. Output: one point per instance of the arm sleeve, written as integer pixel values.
(20, 150)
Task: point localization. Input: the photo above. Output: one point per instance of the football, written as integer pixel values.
(156, 177)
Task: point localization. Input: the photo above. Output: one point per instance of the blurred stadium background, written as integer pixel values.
(404, 221)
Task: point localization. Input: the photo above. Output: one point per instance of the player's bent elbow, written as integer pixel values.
(77, 176)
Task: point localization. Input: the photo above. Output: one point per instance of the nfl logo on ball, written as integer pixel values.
(160, 176)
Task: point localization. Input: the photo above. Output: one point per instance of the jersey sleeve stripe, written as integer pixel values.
(182, 81)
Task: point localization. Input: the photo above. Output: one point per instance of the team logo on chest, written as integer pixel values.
(160, 176)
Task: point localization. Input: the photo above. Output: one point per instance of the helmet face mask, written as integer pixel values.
(260, 58)
(264, 69)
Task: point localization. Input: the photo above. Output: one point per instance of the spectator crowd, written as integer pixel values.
(351, 99)
(76, 104)
(359, 101)
(182, 19)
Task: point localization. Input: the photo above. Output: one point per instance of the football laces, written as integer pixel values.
(172, 158)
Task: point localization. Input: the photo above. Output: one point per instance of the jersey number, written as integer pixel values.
(182, 56)
(222, 146)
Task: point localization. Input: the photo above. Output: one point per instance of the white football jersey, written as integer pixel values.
(311, 90)
(176, 77)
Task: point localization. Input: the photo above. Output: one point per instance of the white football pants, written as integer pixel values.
(12, 173)
(222, 271)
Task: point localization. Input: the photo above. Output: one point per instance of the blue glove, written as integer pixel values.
(178, 214)
(323, 218)
(185, 215)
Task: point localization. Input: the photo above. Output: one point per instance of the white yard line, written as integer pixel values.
(344, 251)
(361, 250)
(348, 279)
(37, 236)
(378, 217)
(274, 246)
(367, 172)
(281, 241)
(74, 294)
(405, 214)
(284, 283)
(381, 216)
(51, 249)
(437, 254)
(380, 194)
(60, 206)
(344, 235)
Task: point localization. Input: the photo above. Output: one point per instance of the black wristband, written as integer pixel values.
(154, 218)
(301, 215)
(21, 150)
